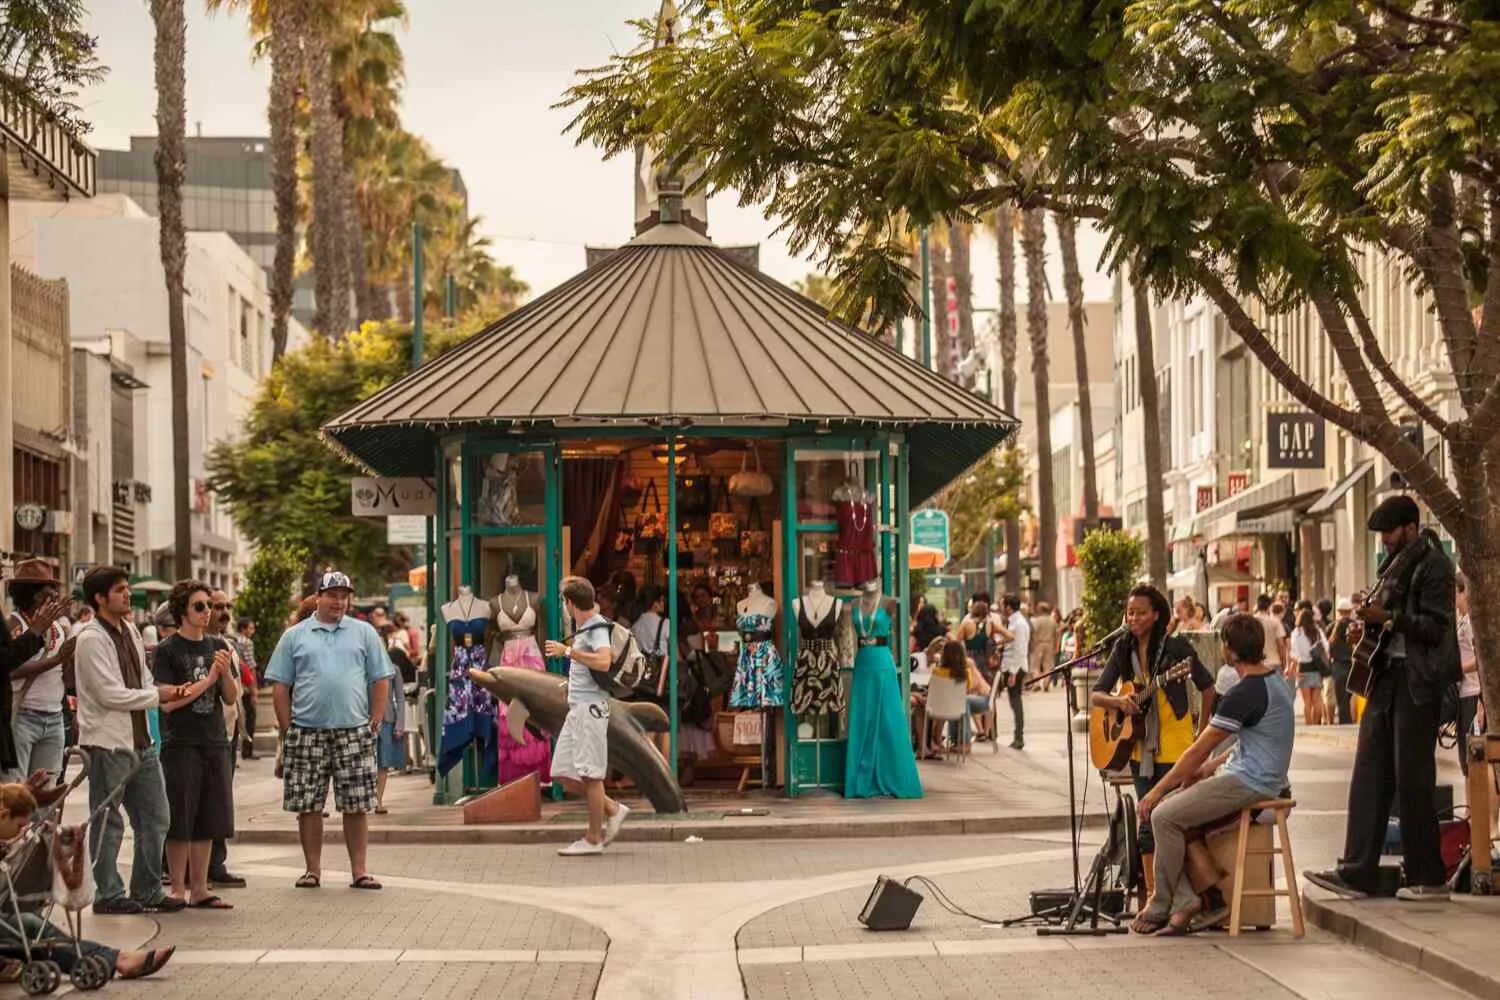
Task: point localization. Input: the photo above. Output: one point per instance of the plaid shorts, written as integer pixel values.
(313, 757)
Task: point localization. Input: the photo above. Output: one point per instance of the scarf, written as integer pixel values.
(1151, 739)
(130, 672)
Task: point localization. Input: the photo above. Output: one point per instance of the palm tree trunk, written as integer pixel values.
(963, 280)
(1156, 518)
(330, 255)
(1067, 237)
(364, 304)
(286, 76)
(937, 255)
(1034, 248)
(403, 294)
(171, 169)
(1005, 241)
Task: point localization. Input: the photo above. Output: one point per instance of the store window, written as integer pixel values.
(512, 490)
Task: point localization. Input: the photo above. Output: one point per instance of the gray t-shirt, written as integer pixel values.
(1259, 710)
(582, 688)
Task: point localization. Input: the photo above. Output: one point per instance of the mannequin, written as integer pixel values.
(817, 688)
(758, 674)
(518, 618)
(878, 754)
(469, 713)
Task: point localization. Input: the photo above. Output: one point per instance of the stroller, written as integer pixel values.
(46, 867)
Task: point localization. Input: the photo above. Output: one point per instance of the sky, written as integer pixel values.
(481, 79)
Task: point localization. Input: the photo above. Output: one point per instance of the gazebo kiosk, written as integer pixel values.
(643, 384)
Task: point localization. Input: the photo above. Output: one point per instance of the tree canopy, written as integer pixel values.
(46, 56)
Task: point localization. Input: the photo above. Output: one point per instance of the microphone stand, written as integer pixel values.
(1077, 906)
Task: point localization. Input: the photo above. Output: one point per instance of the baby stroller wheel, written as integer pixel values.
(91, 972)
(40, 977)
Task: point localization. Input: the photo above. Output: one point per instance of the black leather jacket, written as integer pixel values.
(1427, 616)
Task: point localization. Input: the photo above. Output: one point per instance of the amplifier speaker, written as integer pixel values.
(890, 907)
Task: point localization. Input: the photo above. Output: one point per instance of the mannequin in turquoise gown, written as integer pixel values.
(879, 759)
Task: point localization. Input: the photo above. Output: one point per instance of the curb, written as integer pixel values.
(1366, 933)
(679, 830)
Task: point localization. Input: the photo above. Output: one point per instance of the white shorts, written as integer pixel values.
(582, 749)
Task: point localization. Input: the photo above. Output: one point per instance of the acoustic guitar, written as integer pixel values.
(1113, 733)
(1372, 645)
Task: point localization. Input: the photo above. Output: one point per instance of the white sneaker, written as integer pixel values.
(1423, 893)
(612, 824)
(579, 848)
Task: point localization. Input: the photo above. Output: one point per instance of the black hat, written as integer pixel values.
(1394, 512)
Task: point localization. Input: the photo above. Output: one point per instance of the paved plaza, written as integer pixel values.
(760, 916)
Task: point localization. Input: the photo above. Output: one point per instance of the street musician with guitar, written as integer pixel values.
(1144, 654)
(1406, 652)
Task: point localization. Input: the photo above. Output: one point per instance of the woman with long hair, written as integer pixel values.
(1312, 659)
(955, 664)
(1166, 721)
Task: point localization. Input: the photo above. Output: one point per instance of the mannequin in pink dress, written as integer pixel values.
(517, 617)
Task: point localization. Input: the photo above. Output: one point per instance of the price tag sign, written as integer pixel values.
(749, 728)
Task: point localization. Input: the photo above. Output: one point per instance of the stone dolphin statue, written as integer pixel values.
(543, 697)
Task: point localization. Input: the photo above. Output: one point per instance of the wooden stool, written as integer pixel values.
(1280, 844)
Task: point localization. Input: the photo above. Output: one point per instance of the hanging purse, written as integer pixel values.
(723, 523)
(685, 558)
(650, 525)
(631, 485)
(755, 540)
(694, 493)
(750, 482)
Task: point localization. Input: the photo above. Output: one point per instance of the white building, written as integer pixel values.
(108, 251)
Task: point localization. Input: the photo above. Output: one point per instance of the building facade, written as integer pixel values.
(107, 250)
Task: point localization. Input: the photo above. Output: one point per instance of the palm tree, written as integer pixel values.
(1067, 238)
(329, 231)
(278, 27)
(937, 256)
(1145, 354)
(963, 280)
(1034, 249)
(1005, 227)
(170, 55)
(397, 181)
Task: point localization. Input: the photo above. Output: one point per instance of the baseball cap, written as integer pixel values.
(1346, 604)
(334, 580)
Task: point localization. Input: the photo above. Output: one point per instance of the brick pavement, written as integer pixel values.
(337, 981)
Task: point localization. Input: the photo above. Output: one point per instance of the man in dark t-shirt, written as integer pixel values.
(195, 748)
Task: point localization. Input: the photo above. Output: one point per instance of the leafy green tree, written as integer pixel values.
(271, 583)
(1110, 562)
(282, 485)
(989, 492)
(1250, 152)
(817, 287)
(46, 57)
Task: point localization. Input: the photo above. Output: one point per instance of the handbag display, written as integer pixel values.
(755, 540)
(750, 482)
(650, 525)
(723, 522)
(694, 494)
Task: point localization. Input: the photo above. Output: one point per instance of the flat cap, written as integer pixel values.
(1394, 512)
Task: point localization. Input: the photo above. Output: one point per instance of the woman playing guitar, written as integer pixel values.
(1143, 653)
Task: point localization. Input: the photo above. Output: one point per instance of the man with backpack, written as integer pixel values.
(581, 757)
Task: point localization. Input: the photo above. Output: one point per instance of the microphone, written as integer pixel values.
(1110, 639)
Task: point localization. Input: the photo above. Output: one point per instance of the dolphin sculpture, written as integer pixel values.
(543, 697)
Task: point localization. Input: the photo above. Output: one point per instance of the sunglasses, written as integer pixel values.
(223, 607)
(199, 606)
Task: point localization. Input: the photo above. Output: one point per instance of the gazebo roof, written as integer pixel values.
(669, 330)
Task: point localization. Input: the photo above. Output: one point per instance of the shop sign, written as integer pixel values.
(1204, 500)
(378, 496)
(748, 728)
(30, 516)
(1236, 482)
(929, 527)
(1294, 441)
(406, 529)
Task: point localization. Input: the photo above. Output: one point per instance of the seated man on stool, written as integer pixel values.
(1258, 711)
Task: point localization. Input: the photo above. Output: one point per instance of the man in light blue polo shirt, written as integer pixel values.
(331, 678)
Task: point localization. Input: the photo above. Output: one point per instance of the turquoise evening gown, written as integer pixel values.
(879, 759)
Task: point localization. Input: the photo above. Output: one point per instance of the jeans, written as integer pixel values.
(1179, 813)
(1014, 693)
(39, 742)
(57, 944)
(1468, 708)
(145, 802)
(1341, 693)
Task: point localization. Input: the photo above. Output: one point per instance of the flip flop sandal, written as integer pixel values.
(154, 962)
(1143, 924)
(381, 810)
(1175, 930)
(309, 880)
(364, 882)
(211, 903)
(1206, 920)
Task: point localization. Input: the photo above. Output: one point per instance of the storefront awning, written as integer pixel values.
(1331, 498)
(669, 332)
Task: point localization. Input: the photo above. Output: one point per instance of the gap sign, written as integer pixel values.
(930, 527)
(1294, 441)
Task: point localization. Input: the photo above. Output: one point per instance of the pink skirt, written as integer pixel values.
(534, 753)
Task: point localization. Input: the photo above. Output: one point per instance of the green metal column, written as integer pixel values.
(553, 555)
(790, 563)
(444, 649)
(671, 543)
(903, 563)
